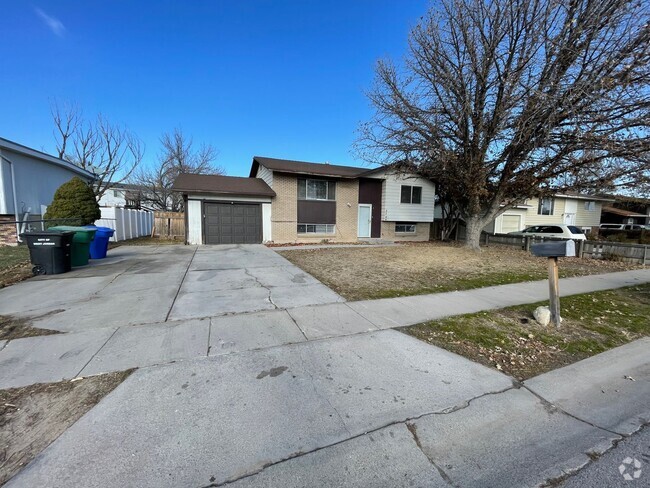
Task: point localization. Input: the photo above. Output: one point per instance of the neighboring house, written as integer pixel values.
(583, 211)
(626, 210)
(122, 195)
(286, 201)
(28, 180)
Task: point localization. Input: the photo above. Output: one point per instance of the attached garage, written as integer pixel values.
(232, 223)
(225, 209)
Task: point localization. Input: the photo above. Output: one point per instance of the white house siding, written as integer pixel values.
(194, 211)
(265, 174)
(35, 180)
(113, 197)
(533, 218)
(394, 211)
(588, 218)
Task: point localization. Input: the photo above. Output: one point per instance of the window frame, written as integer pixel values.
(590, 205)
(540, 206)
(330, 190)
(411, 195)
(314, 232)
(406, 224)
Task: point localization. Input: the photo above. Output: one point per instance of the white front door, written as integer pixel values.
(570, 210)
(365, 220)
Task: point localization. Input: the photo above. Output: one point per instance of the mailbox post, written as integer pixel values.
(552, 251)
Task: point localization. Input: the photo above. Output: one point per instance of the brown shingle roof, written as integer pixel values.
(231, 185)
(302, 167)
(620, 211)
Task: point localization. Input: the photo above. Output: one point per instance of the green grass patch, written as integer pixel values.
(511, 341)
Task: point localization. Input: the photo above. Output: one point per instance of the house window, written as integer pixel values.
(316, 189)
(404, 228)
(590, 205)
(411, 194)
(546, 206)
(117, 193)
(315, 228)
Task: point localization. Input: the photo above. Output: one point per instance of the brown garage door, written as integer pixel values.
(233, 223)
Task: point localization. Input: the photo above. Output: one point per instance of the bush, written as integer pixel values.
(74, 200)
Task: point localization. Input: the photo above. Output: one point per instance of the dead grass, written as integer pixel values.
(14, 265)
(17, 328)
(419, 268)
(32, 417)
(511, 341)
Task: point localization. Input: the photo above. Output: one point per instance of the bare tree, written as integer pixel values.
(110, 151)
(501, 100)
(177, 156)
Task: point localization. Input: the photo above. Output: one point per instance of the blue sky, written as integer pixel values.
(276, 78)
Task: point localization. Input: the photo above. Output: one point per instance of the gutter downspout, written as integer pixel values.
(13, 192)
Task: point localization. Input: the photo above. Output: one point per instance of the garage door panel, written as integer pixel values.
(233, 223)
(510, 223)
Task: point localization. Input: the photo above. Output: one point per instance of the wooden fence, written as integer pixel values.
(631, 253)
(169, 225)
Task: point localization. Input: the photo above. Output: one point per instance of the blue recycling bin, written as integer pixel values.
(99, 245)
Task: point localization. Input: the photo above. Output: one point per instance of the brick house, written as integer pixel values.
(285, 201)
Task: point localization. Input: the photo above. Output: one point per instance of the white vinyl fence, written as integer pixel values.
(128, 223)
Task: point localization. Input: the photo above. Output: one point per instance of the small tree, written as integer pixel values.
(74, 199)
(178, 155)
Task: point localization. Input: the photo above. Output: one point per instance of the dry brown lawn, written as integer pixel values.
(32, 417)
(419, 268)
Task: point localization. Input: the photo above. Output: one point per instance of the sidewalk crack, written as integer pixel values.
(550, 405)
(414, 432)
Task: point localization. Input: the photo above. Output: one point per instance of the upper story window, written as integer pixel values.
(590, 205)
(117, 194)
(411, 194)
(546, 205)
(316, 189)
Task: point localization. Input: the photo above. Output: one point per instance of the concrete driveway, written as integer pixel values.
(144, 285)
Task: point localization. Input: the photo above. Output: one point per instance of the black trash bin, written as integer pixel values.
(49, 251)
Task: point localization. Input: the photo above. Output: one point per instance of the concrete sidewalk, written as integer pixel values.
(118, 348)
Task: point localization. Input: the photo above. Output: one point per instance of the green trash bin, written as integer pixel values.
(80, 242)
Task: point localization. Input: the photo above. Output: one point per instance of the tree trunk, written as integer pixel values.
(473, 232)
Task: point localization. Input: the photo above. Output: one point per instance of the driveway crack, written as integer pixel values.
(406, 421)
(320, 395)
(267, 288)
(180, 285)
(414, 432)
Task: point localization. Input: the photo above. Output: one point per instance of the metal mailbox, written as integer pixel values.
(554, 249)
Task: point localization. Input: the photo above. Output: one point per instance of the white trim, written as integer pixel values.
(228, 198)
(267, 227)
(33, 153)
